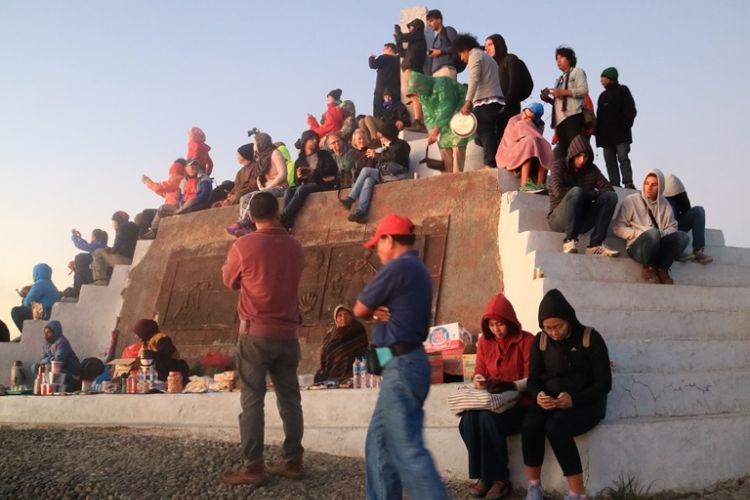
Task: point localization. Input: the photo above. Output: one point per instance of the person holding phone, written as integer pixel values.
(569, 378)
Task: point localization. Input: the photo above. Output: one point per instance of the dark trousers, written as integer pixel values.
(488, 121)
(294, 198)
(582, 210)
(560, 427)
(257, 357)
(19, 314)
(653, 249)
(82, 274)
(485, 434)
(567, 130)
(694, 220)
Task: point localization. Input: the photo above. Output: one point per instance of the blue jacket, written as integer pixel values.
(84, 245)
(43, 290)
(60, 350)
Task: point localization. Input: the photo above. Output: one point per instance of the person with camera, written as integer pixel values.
(81, 264)
(316, 171)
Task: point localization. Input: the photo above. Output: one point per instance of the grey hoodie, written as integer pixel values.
(632, 218)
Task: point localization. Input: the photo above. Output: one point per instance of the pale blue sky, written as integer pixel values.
(94, 94)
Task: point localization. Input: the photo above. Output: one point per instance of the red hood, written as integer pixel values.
(499, 309)
(196, 134)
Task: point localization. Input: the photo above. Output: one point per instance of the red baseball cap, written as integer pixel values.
(391, 225)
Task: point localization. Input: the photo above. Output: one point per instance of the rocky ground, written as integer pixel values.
(143, 464)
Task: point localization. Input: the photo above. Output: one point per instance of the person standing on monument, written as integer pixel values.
(388, 75)
(442, 57)
(399, 298)
(615, 114)
(266, 267)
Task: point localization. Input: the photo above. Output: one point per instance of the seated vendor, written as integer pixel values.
(58, 348)
(342, 343)
(166, 356)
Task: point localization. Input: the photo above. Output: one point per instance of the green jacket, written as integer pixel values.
(441, 98)
(290, 172)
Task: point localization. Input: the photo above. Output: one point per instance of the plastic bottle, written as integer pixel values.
(358, 372)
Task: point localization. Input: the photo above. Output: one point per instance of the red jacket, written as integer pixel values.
(198, 149)
(170, 187)
(332, 121)
(507, 358)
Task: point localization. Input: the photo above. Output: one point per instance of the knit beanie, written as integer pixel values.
(247, 151)
(120, 216)
(306, 136)
(145, 329)
(611, 73)
(336, 94)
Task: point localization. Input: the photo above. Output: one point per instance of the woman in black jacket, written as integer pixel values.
(315, 171)
(569, 377)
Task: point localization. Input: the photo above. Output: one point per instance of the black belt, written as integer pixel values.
(401, 348)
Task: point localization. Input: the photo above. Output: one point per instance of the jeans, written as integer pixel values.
(582, 210)
(257, 357)
(694, 220)
(245, 200)
(653, 249)
(614, 154)
(485, 434)
(19, 314)
(488, 124)
(294, 198)
(559, 427)
(394, 450)
(362, 190)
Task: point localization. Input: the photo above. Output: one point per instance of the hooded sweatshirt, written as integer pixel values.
(633, 218)
(198, 149)
(567, 366)
(563, 176)
(60, 350)
(504, 358)
(676, 195)
(43, 290)
(169, 188)
(332, 121)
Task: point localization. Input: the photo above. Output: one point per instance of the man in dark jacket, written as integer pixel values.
(580, 198)
(121, 253)
(569, 378)
(615, 115)
(389, 75)
(392, 165)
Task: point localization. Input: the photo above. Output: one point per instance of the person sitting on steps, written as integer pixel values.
(81, 264)
(246, 179)
(121, 253)
(524, 150)
(646, 222)
(688, 219)
(580, 198)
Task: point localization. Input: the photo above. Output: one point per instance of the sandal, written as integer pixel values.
(478, 489)
(500, 489)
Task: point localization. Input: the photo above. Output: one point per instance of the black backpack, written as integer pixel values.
(527, 83)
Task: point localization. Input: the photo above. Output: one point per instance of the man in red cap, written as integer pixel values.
(399, 298)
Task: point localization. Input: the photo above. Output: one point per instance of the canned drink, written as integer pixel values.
(538, 273)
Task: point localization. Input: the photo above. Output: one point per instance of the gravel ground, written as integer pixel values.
(127, 463)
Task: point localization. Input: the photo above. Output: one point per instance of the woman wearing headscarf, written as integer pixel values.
(166, 357)
(569, 378)
(524, 148)
(502, 364)
(342, 343)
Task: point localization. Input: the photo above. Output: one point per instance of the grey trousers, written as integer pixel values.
(257, 357)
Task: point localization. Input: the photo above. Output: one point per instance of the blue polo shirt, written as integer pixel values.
(403, 286)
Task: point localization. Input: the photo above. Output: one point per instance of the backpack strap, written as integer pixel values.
(543, 341)
(587, 337)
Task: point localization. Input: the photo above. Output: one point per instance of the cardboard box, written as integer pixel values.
(447, 337)
(436, 367)
(453, 361)
(469, 362)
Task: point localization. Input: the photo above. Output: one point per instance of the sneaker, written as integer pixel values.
(500, 489)
(630, 185)
(570, 246)
(602, 250)
(417, 126)
(664, 277)
(357, 217)
(648, 275)
(234, 228)
(702, 258)
(531, 187)
(687, 257)
(347, 202)
(534, 492)
(478, 489)
(247, 474)
(290, 469)
(100, 283)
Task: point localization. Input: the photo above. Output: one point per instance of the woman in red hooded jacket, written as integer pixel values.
(198, 149)
(502, 364)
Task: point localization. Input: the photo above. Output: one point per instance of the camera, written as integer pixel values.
(397, 28)
(252, 131)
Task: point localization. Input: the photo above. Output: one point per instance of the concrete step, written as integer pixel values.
(674, 356)
(678, 394)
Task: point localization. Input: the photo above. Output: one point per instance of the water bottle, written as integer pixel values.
(358, 370)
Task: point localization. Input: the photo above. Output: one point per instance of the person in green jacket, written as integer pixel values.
(441, 98)
(289, 162)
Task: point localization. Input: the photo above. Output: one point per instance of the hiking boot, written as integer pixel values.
(290, 469)
(570, 246)
(357, 217)
(534, 492)
(602, 250)
(100, 283)
(686, 257)
(347, 202)
(648, 275)
(478, 489)
(702, 258)
(664, 277)
(254, 474)
(500, 489)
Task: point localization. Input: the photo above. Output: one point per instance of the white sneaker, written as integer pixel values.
(570, 246)
(602, 250)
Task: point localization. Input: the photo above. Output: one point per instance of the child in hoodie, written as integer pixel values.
(42, 291)
(646, 222)
(198, 149)
(502, 364)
